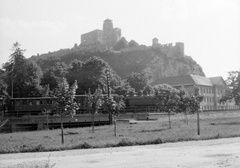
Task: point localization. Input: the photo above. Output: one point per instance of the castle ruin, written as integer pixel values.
(101, 39)
(169, 49)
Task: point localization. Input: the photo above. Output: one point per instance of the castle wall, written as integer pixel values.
(92, 37)
(169, 49)
(108, 37)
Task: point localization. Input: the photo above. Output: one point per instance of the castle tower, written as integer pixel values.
(180, 46)
(107, 32)
(154, 41)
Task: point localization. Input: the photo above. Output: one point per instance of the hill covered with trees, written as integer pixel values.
(133, 58)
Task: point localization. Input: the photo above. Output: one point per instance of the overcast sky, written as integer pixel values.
(210, 29)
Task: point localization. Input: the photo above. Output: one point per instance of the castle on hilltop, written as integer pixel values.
(109, 36)
(101, 39)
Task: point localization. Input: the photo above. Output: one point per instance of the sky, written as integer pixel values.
(209, 29)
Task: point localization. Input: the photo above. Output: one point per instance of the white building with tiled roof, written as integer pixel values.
(211, 88)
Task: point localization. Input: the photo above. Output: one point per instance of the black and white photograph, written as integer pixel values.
(120, 84)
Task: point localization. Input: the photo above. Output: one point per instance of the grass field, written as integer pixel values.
(213, 125)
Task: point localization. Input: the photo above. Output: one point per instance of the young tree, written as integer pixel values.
(195, 105)
(92, 103)
(114, 107)
(64, 103)
(184, 102)
(168, 98)
(233, 92)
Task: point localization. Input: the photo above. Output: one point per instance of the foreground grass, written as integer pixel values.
(213, 125)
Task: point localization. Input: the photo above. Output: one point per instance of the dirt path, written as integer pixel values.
(195, 154)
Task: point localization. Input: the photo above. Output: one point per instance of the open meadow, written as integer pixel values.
(213, 125)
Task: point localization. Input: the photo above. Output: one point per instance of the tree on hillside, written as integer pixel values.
(233, 92)
(168, 98)
(92, 103)
(92, 74)
(75, 71)
(122, 43)
(52, 76)
(22, 76)
(137, 81)
(133, 43)
(122, 89)
(64, 103)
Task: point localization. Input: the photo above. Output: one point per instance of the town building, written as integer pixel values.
(211, 88)
(101, 39)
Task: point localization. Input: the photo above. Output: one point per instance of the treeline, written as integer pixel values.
(21, 77)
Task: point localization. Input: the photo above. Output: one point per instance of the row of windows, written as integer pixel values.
(219, 107)
(31, 102)
(208, 99)
(206, 90)
(210, 90)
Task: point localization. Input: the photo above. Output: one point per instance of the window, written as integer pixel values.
(49, 101)
(39, 102)
(30, 103)
(17, 103)
(24, 102)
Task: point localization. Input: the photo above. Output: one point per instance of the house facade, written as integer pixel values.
(211, 88)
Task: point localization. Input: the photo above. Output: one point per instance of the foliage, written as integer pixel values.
(3, 85)
(138, 81)
(92, 103)
(122, 89)
(148, 90)
(122, 43)
(133, 43)
(114, 106)
(52, 76)
(233, 92)
(22, 76)
(168, 99)
(64, 95)
(64, 103)
(92, 74)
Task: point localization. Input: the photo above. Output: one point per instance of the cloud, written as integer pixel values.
(16, 28)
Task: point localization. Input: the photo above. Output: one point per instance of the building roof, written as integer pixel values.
(107, 20)
(184, 80)
(218, 80)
